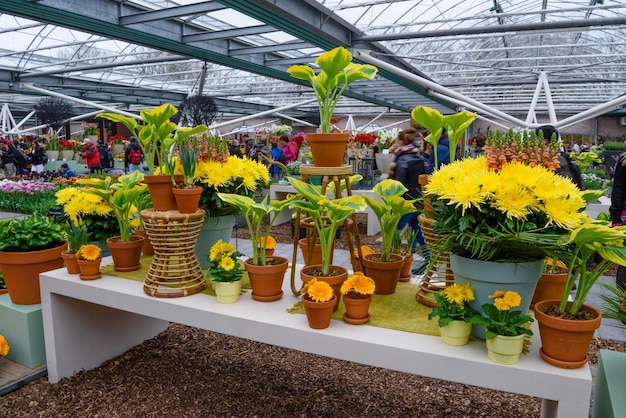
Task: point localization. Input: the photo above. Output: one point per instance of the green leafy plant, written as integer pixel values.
(77, 235)
(614, 306)
(337, 72)
(389, 211)
(156, 137)
(435, 123)
(500, 320)
(453, 304)
(254, 212)
(32, 233)
(592, 237)
(121, 196)
(327, 215)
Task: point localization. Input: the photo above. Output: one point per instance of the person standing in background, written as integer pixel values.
(234, 149)
(37, 157)
(133, 156)
(617, 210)
(91, 155)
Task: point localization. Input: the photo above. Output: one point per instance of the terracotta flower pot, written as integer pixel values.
(89, 269)
(315, 255)
(328, 149)
(549, 287)
(146, 248)
(126, 255)
(565, 342)
(309, 272)
(21, 272)
(71, 263)
(384, 273)
(187, 200)
(405, 272)
(267, 281)
(160, 188)
(318, 314)
(357, 309)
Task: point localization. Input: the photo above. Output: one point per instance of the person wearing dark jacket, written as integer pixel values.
(443, 153)
(407, 167)
(37, 156)
(568, 168)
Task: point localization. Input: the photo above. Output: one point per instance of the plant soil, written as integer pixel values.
(317, 272)
(581, 315)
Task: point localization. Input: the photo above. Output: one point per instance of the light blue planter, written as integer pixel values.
(486, 277)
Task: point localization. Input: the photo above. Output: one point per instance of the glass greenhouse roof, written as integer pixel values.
(493, 57)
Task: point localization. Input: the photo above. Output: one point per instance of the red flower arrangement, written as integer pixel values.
(334, 121)
(65, 144)
(117, 139)
(299, 138)
(367, 139)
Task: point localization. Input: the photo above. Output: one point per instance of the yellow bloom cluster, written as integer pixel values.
(4, 346)
(517, 191)
(88, 252)
(238, 173)
(358, 283)
(318, 290)
(77, 203)
(221, 250)
(458, 294)
(504, 301)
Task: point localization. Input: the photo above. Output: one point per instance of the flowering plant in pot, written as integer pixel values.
(506, 329)
(319, 301)
(88, 259)
(455, 314)
(77, 236)
(357, 291)
(225, 272)
(88, 252)
(337, 73)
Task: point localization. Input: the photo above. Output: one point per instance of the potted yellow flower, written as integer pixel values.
(318, 300)
(506, 329)
(357, 293)
(501, 224)
(88, 259)
(455, 314)
(225, 272)
(336, 74)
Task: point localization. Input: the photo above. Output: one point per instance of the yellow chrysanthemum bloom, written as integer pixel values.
(227, 264)
(320, 291)
(89, 252)
(4, 346)
(514, 202)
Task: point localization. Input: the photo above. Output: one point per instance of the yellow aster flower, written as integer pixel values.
(88, 252)
(468, 292)
(363, 285)
(454, 294)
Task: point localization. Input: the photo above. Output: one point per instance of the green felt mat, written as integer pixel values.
(140, 275)
(399, 311)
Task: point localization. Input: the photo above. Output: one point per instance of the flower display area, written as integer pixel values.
(114, 315)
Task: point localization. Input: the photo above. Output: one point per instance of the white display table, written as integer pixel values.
(89, 322)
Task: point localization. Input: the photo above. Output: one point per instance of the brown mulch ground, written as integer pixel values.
(186, 372)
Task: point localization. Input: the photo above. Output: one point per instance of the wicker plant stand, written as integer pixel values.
(439, 276)
(350, 226)
(175, 270)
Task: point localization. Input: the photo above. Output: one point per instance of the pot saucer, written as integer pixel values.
(90, 276)
(404, 279)
(356, 321)
(561, 363)
(131, 268)
(267, 298)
